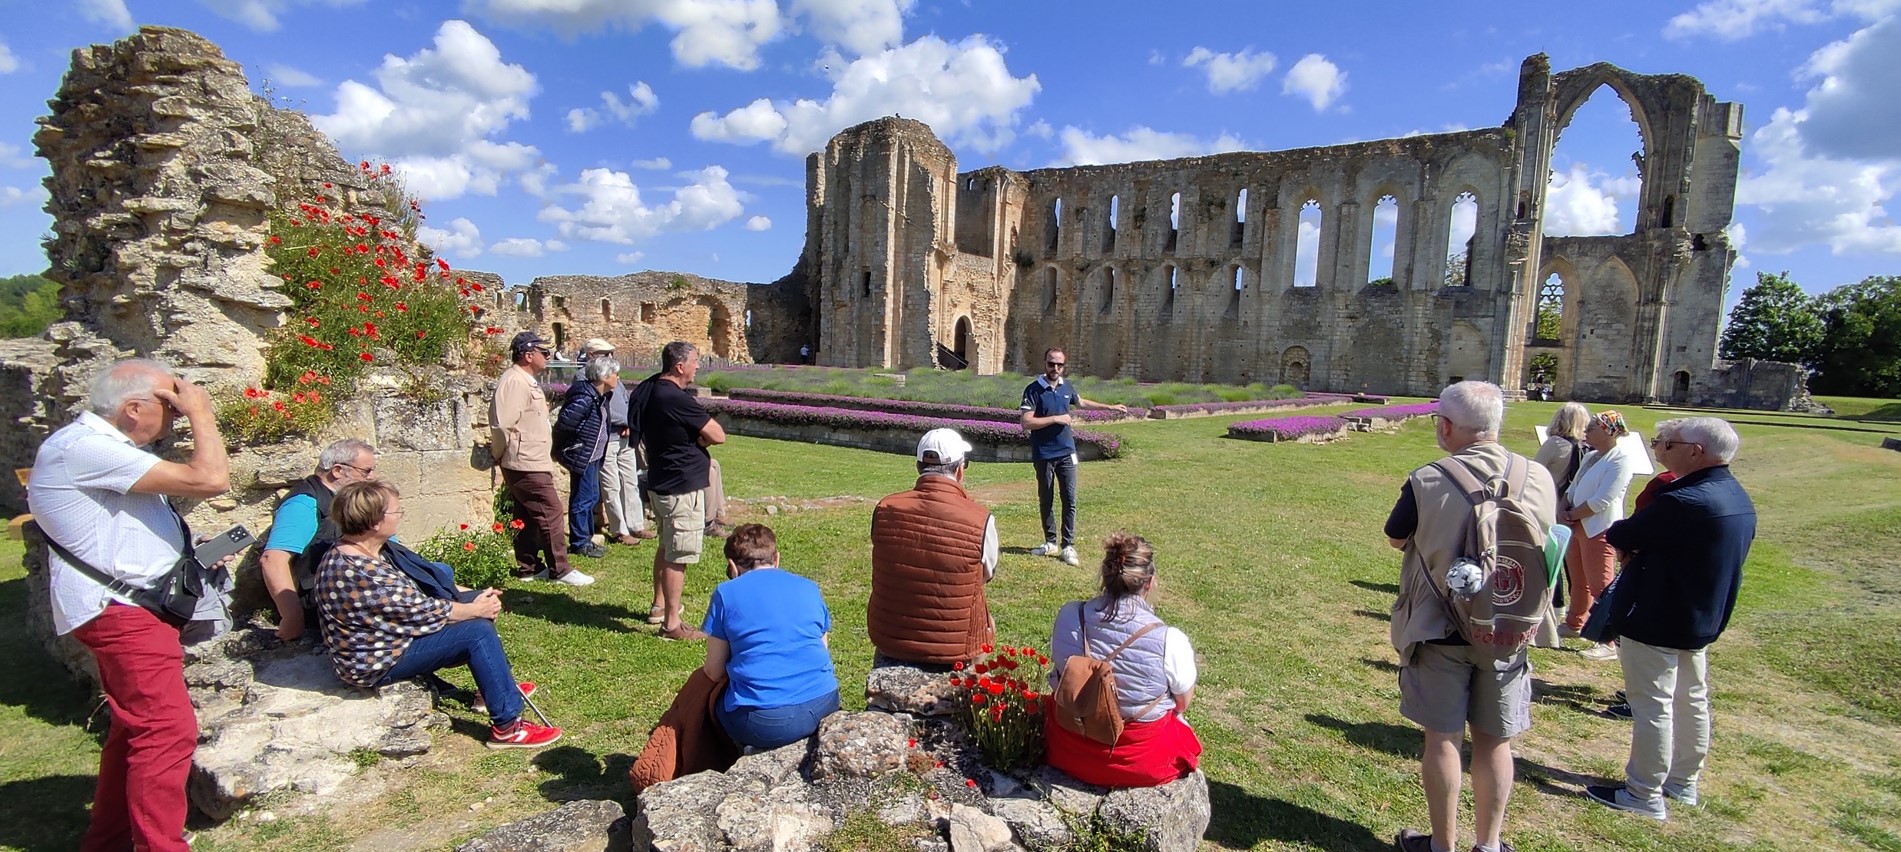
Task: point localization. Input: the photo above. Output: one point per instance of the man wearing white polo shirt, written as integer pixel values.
(101, 494)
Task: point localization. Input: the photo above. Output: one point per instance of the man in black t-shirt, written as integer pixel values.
(676, 430)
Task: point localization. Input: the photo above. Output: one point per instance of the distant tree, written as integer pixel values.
(1774, 321)
(1860, 353)
(1380, 282)
(1543, 368)
(1550, 322)
(28, 304)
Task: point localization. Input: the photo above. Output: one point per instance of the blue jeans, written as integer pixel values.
(473, 643)
(584, 493)
(1050, 474)
(771, 727)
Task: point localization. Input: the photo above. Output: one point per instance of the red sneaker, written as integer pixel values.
(481, 706)
(522, 734)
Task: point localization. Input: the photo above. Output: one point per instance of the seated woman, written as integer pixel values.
(381, 626)
(768, 635)
(1155, 677)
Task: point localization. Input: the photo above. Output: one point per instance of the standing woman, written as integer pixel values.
(1562, 454)
(1155, 677)
(1596, 500)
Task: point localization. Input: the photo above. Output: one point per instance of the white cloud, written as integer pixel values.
(612, 211)
(1804, 199)
(290, 76)
(261, 15)
(1082, 148)
(658, 164)
(1040, 129)
(112, 13)
(461, 239)
(1853, 111)
(629, 258)
(12, 157)
(640, 101)
(758, 223)
(8, 62)
(964, 91)
(1738, 237)
(1315, 78)
(724, 32)
(1465, 223)
(1577, 207)
(526, 247)
(1231, 72)
(433, 115)
(861, 26)
(11, 195)
(535, 181)
(1731, 20)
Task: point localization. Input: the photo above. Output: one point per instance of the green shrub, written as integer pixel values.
(481, 558)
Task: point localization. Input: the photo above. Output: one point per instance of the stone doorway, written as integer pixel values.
(964, 345)
(1296, 367)
(1680, 388)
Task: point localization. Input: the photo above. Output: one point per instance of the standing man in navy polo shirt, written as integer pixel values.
(1046, 405)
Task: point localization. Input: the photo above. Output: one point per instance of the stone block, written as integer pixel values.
(900, 688)
(972, 830)
(591, 825)
(1174, 815)
(859, 745)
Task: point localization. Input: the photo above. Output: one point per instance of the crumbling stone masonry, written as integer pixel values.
(641, 312)
(1185, 269)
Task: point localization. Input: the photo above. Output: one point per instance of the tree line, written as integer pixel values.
(1850, 337)
(28, 304)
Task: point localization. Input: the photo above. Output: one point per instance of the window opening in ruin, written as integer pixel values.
(477, 312)
(1380, 259)
(961, 344)
(1240, 218)
(1108, 289)
(1669, 217)
(560, 330)
(607, 310)
(1459, 237)
(749, 317)
(971, 184)
(1548, 324)
(646, 312)
(864, 280)
(1168, 296)
(1597, 170)
(1307, 245)
(1109, 233)
(1234, 295)
(1174, 221)
(560, 303)
(1049, 289)
(1680, 387)
(1295, 368)
(1056, 223)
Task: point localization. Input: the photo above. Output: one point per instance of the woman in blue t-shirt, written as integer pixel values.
(767, 635)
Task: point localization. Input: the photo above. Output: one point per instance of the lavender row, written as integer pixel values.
(1396, 412)
(975, 431)
(1288, 428)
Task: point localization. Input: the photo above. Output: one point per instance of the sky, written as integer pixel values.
(611, 136)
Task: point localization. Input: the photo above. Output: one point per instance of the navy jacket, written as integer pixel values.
(433, 578)
(580, 431)
(1688, 548)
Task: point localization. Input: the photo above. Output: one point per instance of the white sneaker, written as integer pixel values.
(1069, 556)
(575, 578)
(1606, 651)
(1047, 548)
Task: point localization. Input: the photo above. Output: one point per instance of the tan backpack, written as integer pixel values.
(1085, 696)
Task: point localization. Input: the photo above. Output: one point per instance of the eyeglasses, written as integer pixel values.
(392, 512)
(1055, 363)
(366, 471)
(1664, 444)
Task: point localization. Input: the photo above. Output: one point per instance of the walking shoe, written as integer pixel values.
(1408, 840)
(1684, 794)
(1048, 548)
(591, 551)
(1069, 556)
(645, 534)
(1606, 651)
(715, 529)
(1617, 711)
(522, 733)
(1502, 847)
(1568, 632)
(572, 578)
(628, 540)
(656, 616)
(1621, 799)
(480, 705)
(684, 633)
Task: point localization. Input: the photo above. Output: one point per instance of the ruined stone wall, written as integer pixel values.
(641, 312)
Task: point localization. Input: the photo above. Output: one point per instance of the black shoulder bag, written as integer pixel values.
(174, 597)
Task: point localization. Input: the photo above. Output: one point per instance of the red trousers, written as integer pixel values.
(1591, 563)
(140, 802)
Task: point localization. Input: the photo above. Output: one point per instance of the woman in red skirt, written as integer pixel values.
(1154, 672)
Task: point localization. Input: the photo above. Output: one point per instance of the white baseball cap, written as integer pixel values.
(943, 446)
(596, 345)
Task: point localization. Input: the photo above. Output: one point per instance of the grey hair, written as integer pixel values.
(1717, 437)
(949, 469)
(124, 380)
(1478, 407)
(1569, 420)
(342, 452)
(600, 368)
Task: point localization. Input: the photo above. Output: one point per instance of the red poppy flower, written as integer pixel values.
(986, 647)
(996, 712)
(276, 240)
(312, 252)
(367, 357)
(939, 765)
(252, 393)
(516, 524)
(420, 334)
(911, 743)
(442, 263)
(307, 339)
(323, 379)
(297, 397)
(995, 689)
(462, 526)
(979, 699)
(468, 545)
(313, 322)
(278, 405)
(957, 666)
(402, 307)
(956, 681)
(314, 285)
(315, 397)
(981, 668)
(970, 782)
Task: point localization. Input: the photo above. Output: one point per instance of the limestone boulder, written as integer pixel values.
(972, 830)
(592, 825)
(678, 815)
(900, 688)
(859, 745)
(1174, 815)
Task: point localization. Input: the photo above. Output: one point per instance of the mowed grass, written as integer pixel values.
(1273, 561)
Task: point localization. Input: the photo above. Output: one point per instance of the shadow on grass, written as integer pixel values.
(547, 604)
(1383, 588)
(582, 775)
(1396, 740)
(1243, 821)
(1376, 616)
(1383, 665)
(1583, 699)
(1557, 782)
(47, 813)
(35, 682)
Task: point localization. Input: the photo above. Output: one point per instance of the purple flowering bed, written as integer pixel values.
(1190, 409)
(917, 407)
(979, 432)
(1288, 428)
(1396, 412)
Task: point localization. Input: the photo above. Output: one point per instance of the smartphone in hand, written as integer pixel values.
(224, 544)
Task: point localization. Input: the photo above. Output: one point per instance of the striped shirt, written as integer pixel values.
(371, 612)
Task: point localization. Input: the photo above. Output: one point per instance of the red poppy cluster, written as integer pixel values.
(1002, 707)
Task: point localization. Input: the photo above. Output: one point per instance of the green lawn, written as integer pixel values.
(1273, 562)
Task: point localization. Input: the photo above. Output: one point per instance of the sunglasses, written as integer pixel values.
(1055, 363)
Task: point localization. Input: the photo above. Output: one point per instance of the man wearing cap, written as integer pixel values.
(932, 550)
(521, 437)
(620, 471)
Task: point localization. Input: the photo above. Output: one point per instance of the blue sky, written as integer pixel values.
(610, 136)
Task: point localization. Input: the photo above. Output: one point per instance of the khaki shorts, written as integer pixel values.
(1450, 686)
(681, 519)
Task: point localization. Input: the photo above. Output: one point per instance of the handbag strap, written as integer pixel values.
(86, 569)
(1083, 634)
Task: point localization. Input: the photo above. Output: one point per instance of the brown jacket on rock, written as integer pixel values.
(927, 574)
(687, 738)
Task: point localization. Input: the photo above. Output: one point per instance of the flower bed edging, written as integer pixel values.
(916, 407)
(1390, 416)
(892, 433)
(1310, 428)
(1247, 406)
